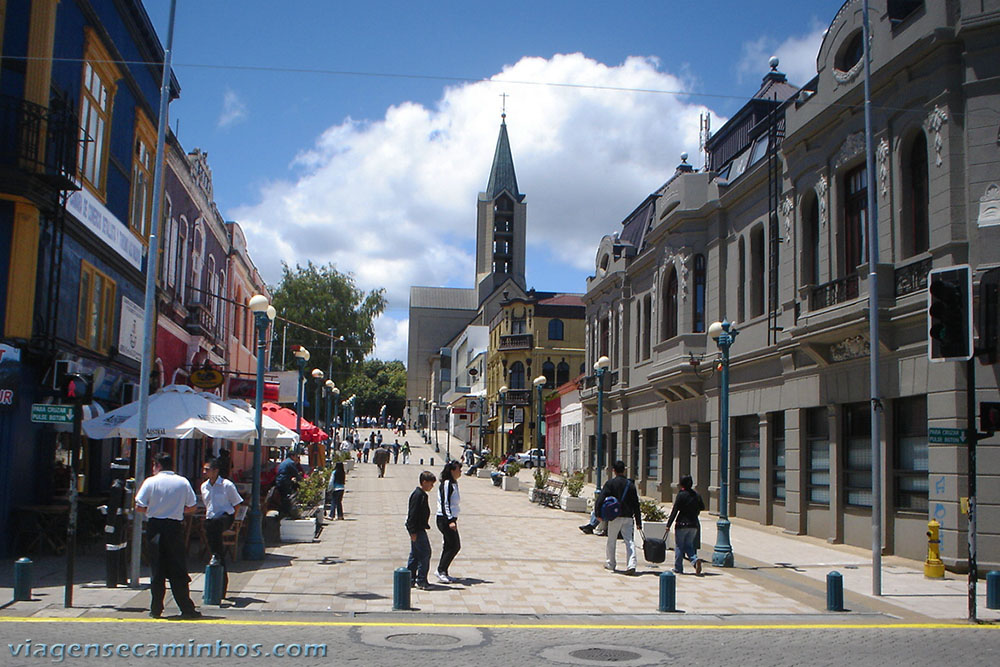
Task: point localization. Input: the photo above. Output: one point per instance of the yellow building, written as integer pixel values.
(541, 334)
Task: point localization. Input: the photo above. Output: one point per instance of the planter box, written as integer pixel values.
(297, 530)
(571, 504)
(484, 473)
(511, 484)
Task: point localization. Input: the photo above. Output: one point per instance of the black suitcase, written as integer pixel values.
(653, 550)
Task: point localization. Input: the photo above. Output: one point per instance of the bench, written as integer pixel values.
(550, 494)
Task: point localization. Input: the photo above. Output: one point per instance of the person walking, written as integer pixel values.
(406, 451)
(368, 447)
(336, 487)
(165, 498)
(418, 518)
(395, 452)
(286, 481)
(687, 535)
(380, 458)
(221, 500)
(447, 520)
(623, 490)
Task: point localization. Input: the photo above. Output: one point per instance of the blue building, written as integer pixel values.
(79, 100)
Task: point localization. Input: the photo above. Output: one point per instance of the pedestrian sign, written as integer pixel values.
(42, 413)
(947, 436)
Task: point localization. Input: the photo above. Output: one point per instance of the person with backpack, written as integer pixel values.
(618, 504)
(447, 520)
(687, 535)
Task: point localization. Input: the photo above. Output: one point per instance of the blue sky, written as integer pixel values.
(361, 133)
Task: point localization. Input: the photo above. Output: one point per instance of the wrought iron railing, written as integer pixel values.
(24, 125)
(834, 292)
(912, 277)
(516, 342)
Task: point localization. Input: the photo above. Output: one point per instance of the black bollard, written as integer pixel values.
(834, 591)
(993, 590)
(668, 591)
(400, 589)
(213, 583)
(22, 579)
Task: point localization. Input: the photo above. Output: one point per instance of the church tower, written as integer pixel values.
(500, 224)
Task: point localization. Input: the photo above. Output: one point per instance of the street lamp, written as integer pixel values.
(302, 356)
(539, 382)
(600, 368)
(434, 425)
(503, 417)
(318, 376)
(263, 314)
(334, 393)
(724, 333)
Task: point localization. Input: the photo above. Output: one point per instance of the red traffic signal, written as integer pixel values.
(77, 387)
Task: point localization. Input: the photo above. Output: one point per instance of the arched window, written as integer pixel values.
(855, 220)
(647, 324)
(670, 307)
(758, 272)
(916, 232)
(517, 375)
(555, 329)
(810, 241)
(741, 281)
(549, 371)
(562, 373)
(698, 311)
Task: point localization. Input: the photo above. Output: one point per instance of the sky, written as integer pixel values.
(360, 134)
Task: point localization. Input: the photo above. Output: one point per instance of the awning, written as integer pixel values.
(288, 417)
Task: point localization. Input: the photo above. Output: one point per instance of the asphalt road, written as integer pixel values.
(816, 640)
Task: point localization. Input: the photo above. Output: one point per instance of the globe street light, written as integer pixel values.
(263, 314)
(539, 382)
(724, 333)
(600, 367)
(434, 425)
(503, 417)
(301, 356)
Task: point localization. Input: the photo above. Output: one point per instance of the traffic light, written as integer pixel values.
(77, 387)
(949, 312)
(989, 417)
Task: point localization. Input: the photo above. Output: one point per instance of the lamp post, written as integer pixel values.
(600, 368)
(724, 333)
(334, 395)
(318, 376)
(434, 425)
(447, 434)
(539, 382)
(301, 356)
(503, 419)
(263, 314)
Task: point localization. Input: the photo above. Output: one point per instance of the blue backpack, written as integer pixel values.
(611, 508)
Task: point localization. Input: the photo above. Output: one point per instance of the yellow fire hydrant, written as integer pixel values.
(933, 566)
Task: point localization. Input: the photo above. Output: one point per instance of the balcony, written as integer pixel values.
(199, 320)
(610, 380)
(516, 342)
(912, 277)
(37, 146)
(834, 292)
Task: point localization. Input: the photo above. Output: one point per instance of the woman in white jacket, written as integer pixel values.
(447, 519)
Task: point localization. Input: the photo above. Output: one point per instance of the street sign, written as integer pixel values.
(42, 413)
(947, 436)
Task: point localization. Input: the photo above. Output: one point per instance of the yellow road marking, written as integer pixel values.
(520, 626)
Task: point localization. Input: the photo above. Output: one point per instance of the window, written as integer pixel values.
(142, 176)
(777, 421)
(670, 307)
(633, 459)
(167, 239)
(818, 452)
(916, 233)
(855, 219)
(95, 309)
(851, 54)
(910, 454)
(518, 325)
(96, 99)
(652, 463)
(757, 271)
(555, 329)
(858, 455)
(549, 371)
(605, 336)
(741, 276)
(810, 241)
(562, 373)
(747, 456)
(181, 260)
(517, 375)
(698, 315)
(647, 324)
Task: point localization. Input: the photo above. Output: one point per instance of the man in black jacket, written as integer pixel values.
(623, 489)
(417, 524)
(687, 505)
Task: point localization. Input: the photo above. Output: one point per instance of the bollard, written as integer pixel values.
(401, 589)
(668, 591)
(213, 583)
(993, 590)
(834, 591)
(22, 579)
(432, 461)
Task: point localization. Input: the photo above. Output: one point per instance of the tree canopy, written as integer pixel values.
(377, 383)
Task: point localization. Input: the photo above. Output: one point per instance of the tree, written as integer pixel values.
(324, 300)
(378, 383)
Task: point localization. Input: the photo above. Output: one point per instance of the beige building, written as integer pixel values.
(771, 235)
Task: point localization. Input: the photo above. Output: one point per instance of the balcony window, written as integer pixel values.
(562, 373)
(916, 231)
(143, 157)
(95, 309)
(810, 241)
(757, 271)
(741, 281)
(517, 375)
(549, 371)
(855, 220)
(555, 329)
(670, 307)
(518, 325)
(96, 101)
(647, 324)
(698, 314)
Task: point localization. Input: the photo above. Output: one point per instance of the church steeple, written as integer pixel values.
(502, 175)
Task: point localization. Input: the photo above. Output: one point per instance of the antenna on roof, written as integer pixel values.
(704, 133)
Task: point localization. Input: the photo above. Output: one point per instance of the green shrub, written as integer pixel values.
(574, 485)
(651, 511)
(513, 468)
(541, 477)
(312, 490)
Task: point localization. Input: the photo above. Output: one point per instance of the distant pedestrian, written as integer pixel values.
(406, 451)
(418, 518)
(336, 487)
(380, 458)
(687, 535)
(165, 498)
(395, 452)
(447, 520)
(623, 489)
(286, 481)
(366, 449)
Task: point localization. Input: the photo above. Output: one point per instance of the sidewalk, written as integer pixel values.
(516, 558)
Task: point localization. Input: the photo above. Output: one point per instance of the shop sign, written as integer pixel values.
(10, 375)
(206, 378)
(86, 208)
(130, 330)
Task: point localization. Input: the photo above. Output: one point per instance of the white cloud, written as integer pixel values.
(234, 109)
(393, 200)
(797, 55)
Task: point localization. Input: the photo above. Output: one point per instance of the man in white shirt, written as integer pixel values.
(221, 500)
(165, 498)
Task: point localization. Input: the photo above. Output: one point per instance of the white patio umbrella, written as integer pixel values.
(176, 411)
(275, 434)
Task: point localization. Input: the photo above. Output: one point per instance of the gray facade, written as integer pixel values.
(773, 240)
